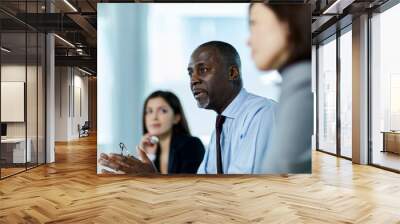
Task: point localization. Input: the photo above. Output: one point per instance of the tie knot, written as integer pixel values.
(220, 121)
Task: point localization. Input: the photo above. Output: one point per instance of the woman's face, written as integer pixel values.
(159, 117)
(268, 38)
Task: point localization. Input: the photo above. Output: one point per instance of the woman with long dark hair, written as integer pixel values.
(177, 151)
(280, 39)
(166, 147)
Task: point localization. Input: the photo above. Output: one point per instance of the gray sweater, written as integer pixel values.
(289, 150)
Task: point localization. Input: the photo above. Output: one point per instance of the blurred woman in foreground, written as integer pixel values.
(280, 39)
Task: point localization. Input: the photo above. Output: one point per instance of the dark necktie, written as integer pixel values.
(218, 127)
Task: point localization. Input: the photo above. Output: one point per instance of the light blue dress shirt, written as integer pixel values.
(245, 135)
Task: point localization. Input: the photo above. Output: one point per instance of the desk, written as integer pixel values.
(13, 150)
(391, 141)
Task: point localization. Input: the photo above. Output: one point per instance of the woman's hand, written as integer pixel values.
(126, 164)
(146, 145)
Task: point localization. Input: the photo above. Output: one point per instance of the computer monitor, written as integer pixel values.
(3, 129)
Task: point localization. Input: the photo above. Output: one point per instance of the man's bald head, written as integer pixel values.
(227, 54)
(214, 71)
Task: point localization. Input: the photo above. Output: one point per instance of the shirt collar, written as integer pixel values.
(233, 109)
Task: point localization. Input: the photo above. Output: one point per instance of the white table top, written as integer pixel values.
(13, 140)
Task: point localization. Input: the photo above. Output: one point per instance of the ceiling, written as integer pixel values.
(73, 20)
(76, 22)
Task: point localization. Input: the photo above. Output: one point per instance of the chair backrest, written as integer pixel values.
(86, 125)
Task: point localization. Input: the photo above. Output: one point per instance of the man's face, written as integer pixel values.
(208, 78)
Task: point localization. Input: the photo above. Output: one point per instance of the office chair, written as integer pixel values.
(84, 130)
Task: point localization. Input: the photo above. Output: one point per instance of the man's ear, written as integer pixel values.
(177, 118)
(234, 73)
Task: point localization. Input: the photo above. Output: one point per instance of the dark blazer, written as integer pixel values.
(185, 154)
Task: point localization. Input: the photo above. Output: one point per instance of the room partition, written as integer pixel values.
(22, 77)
